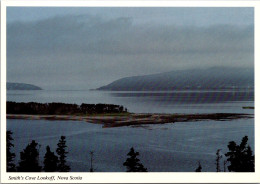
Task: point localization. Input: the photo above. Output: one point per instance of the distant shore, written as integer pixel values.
(135, 119)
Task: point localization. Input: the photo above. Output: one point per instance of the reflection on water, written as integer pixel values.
(169, 147)
(156, 102)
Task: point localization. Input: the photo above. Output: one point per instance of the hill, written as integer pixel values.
(212, 78)
(21, 86)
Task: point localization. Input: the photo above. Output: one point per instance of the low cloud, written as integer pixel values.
(89, 51)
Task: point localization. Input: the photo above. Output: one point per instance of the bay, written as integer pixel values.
(190, 101)
(173, 147)
(176, 147)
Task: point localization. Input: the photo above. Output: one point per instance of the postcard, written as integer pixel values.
(129, 91)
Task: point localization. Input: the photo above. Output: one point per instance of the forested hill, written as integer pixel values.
(212, 78)
(21, 86)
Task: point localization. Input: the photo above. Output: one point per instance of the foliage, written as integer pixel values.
(29, 158)
(50, 161)
(62, 153)
(132, 163)
(199, 168)
(10, 166)
(240, 157)
(61, 108)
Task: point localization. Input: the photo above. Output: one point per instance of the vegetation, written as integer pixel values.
(62, 108)
(30, 158)
(240, 157)
(132, 163)
(10, 166)
(199, 168)
(61, 151)
(248, 107)
(50, 161)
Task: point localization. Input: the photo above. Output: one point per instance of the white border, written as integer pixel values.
(164, 177)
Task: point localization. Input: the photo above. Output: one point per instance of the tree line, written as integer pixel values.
(61, 108)
(29, 157)
(240, 158)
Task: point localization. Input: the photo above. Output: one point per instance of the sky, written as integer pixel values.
(85, 48)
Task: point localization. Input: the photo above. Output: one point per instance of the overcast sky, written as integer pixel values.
(83, 48)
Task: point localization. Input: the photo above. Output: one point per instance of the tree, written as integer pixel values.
(50, 161)
(62, 153)
(29, 158)
(132, 163)
(10, 166)
(218, 157)
(240, 157)
(199, 168)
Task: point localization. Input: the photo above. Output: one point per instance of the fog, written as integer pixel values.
(70, 49)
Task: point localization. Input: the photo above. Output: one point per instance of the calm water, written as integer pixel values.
(157, 102)
(169, 147)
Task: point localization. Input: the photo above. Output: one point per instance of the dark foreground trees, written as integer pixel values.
(132, 163)
(62, 153)
(240, 157)
(50, 161)
(199, 168)
(30, 158)
(10, 166)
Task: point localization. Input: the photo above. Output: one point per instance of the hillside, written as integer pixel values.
(212, 78)
(21, 86)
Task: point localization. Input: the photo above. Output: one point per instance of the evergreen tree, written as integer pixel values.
(10, 166)
(218, 157)
(62, 153)
(50, 161)
(199, 168)
(132, 163)
(240, 157)
(29, 159)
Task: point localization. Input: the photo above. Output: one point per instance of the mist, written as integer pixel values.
(87, 51)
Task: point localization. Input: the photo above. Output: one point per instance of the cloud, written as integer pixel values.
(89, 51)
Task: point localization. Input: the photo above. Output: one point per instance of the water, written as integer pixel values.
(163, 148)
(170, 147)
(148, 102)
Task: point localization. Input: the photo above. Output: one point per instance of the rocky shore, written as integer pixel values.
(135, 119)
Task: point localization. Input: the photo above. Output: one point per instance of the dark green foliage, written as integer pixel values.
(240, 157)
(218, 157)
(62, 153)
(29, 159)
(199, 168)
(132, 163)
(10, 166)
(61, 108)
(50, 161)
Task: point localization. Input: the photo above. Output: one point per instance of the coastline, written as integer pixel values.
(135, 119)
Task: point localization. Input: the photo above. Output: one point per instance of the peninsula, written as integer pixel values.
(108, 115)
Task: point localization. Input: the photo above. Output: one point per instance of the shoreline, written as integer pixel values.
(134, 119)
